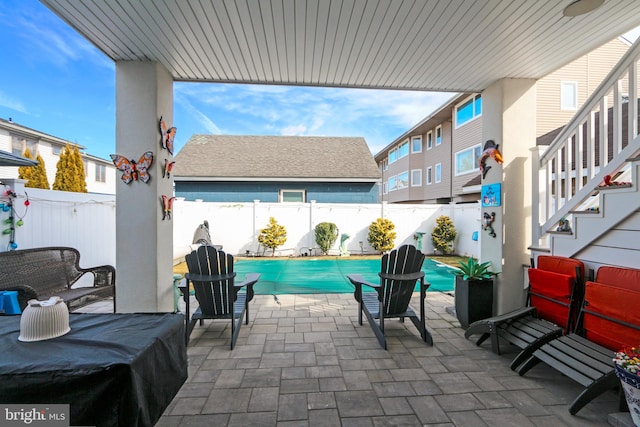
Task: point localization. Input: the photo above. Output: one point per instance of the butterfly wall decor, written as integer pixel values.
(168, 134)
(167, 206)
(132, 170)
(168, 166)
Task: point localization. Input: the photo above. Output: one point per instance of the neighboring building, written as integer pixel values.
(14, 138)
(437, 160)
(225, 168)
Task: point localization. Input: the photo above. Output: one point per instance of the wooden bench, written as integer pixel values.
(40, 273)
(608, 322)
(554, 297)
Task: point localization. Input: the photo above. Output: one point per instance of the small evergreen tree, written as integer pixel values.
(326, 235)
(25, 172)
(81, 177)
(443, 235)
(39, 177)
(273, 235)
(70, 172)
(381, 235)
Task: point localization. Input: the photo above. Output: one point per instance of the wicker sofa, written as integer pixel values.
(44, 272)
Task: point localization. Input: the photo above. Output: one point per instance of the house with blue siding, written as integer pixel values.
(239, 168)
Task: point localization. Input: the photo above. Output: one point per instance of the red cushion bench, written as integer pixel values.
(608, 321)
(555, 287)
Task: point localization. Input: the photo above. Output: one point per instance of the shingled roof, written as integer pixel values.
(308, 158)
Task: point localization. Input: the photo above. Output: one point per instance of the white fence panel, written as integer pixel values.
(236, 226)
(87, 222)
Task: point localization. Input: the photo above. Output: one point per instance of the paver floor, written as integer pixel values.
(303, 360)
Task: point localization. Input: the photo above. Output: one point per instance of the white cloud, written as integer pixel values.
(379, 116)
(294, 130)
(8, 102)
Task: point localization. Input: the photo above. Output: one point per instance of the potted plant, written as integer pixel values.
(474, 291)
(627, 362)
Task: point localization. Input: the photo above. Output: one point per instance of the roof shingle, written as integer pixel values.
(305, 157)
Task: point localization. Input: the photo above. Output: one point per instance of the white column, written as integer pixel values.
(144, 246)
(509, 119)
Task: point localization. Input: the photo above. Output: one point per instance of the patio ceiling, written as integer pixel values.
(438, 45)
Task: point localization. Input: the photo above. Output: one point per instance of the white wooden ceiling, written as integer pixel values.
(440, 45)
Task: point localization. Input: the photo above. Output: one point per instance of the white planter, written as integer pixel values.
(631, 387)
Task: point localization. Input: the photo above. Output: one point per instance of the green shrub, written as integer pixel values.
(443, 235)
(381, 235)
(326, 235)
(273, 235)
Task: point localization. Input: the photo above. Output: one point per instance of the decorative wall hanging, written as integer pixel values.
(168, 166)
(8, 205)
(491, 194)
(167, 206)
(487, 223)
(168, 134)
(490, 149)
(563, 225)
(132, 170)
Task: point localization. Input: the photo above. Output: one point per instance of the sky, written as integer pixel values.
(56, 82)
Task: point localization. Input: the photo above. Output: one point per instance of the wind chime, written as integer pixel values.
(8, 205)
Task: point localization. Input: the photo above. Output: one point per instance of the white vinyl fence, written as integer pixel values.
(236, 226)
(87, 222)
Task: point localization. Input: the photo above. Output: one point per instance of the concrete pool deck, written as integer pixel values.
(307, 362)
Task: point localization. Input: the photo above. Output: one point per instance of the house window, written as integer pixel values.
(292, 196)
(429, 140)
(416, 144)
(385, 165)
(19, 144)
(469, 110)
(101, 173)
(416, 177)
(56, 149)
(393, 155)
(403, 180)
(403, 149)
(429, 175)
(438, 172)
(393, 182)
(438, 135)
(467, 160)
(568, 95)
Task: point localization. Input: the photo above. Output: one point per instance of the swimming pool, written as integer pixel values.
(329, 276)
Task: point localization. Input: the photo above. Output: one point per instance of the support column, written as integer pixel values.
(144, 245)
(509, 119)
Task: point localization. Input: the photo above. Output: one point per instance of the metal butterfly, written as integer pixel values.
(168, 134)
(168, 166)
(132, 170)
(167, 206)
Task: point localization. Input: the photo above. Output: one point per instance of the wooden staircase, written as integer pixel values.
(601, 141)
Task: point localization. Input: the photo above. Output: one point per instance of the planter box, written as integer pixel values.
(474, 300)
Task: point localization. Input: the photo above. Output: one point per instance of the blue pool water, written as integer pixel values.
(312, 275)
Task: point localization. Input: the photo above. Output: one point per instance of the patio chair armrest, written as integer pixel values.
(209, 278)
(407, 276)
(357, 280)
(104, 275)
(249, 280)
